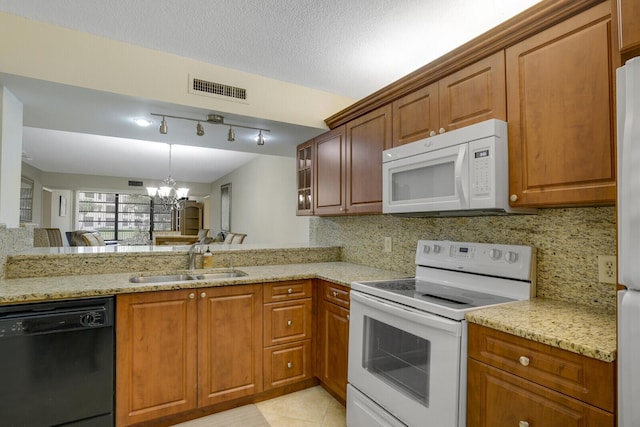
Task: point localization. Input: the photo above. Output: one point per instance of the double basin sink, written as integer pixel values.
(183, 277)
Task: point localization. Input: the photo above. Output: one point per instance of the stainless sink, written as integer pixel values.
(161, 278)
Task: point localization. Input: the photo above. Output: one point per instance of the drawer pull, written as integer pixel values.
(289, 365)
(524, 361)
(289, 291)
(203, 295)
(523, 424)
(335, 294)
(348, 317)
(192, 295)
(289, 322)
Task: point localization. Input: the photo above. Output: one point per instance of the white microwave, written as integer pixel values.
(463, 172)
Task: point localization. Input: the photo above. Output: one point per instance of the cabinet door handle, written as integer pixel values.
(335, 294)
(192, 295)
(523, 424)
(514, 198)
(203, 295)
(348, 317)
(289, 365)
(441, 130)
(524, 360)
(289, 291)
(289, 322)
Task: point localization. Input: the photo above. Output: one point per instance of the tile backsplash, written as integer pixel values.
(567, 240)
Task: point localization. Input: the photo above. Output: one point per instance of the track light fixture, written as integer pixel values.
(163, 126)
(212, 119)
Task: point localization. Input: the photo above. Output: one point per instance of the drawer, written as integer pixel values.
(336, 294)
(498, 399)
(586, 379)
(289, 290)
(287, 321)
(287, 364)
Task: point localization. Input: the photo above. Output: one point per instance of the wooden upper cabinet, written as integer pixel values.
(561, 128)
(629, 25)
(328, 194)
(366, 138)
(415, 115)
(473, 94)
(470, 95)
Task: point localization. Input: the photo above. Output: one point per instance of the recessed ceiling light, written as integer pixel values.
(143, 122)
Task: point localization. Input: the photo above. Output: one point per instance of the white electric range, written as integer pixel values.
(408, 337)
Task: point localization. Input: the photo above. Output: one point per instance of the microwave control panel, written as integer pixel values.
(481, 172)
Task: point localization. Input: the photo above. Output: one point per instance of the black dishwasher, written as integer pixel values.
(57, 363)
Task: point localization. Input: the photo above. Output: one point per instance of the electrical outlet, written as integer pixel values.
(387, 244)
(607, 269)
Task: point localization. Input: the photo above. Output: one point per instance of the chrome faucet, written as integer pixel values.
(193, 249)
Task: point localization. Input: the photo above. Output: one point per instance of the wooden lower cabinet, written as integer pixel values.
(333, 338)
(513, 381)
(229, 343)
(288, 332)
(181, 350)
(500, 399)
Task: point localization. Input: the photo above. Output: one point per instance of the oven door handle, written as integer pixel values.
(442, 324)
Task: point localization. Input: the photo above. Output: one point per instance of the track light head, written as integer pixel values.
(232, 135)
(199, 129)
(163, 126)
(260, 138)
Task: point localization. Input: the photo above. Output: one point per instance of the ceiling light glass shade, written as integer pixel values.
(199, 129)
(260, 139)
(163, 126)
(232, 135)
(152, 191)
(181, 193)
(164, 192)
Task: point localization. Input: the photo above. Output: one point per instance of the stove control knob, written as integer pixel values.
(495, 254)
(426, 249)
(437, 249)
(511, 257)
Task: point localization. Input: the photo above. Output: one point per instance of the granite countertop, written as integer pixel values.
(581, 329)
(87, 285)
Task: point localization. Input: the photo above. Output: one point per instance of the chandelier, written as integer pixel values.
(170, 196)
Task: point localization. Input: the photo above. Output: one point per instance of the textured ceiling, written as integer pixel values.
(347, 47)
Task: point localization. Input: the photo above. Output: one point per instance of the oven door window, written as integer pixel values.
(398, 358)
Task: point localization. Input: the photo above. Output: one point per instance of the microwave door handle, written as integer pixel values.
(459, 170)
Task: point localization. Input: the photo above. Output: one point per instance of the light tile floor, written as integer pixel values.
(312, 407)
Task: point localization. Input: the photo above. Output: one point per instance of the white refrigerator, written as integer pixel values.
(628, 121)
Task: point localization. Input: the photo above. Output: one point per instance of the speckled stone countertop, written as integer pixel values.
(577, 328)
(77, 286)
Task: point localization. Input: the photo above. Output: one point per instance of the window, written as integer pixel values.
(122, 216)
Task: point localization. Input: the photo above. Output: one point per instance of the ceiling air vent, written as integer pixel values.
(218, 90)
(135, 184)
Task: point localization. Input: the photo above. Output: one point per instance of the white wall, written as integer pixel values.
(10, 157)
(263, 202)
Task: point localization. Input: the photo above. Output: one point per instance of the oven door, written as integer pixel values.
(405, 360)
(428, 182)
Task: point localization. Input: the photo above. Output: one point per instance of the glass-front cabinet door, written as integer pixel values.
(304, 176)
